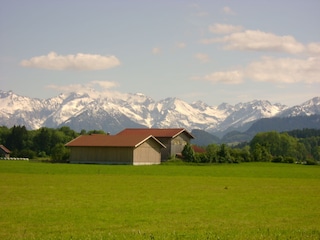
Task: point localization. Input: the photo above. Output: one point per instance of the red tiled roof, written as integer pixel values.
(6, 150)
(156, 132)
(103, 140)
(198, 149)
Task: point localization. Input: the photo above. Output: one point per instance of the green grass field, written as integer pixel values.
(236, 201)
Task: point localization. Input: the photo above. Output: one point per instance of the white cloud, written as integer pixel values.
(224, 28)
(202, 57)
(93, 88)
(261, 41)
(284, 70)
(103, 85)
(258, 40)
(209, 40)
(228, 10)
(281, 70)
(229, 77)
(156, 51)
(255, 40)
(314, 48)
(80, 61)
(181, 45)
(81, 88)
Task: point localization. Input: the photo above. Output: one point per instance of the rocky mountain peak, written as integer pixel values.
(90, 111)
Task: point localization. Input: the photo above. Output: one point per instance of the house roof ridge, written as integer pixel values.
(153, 137)
(103, 140)
(157, 132)
(6, 150)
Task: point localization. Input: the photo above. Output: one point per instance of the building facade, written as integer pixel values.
(108, 149)
(4, 152)
(174, 139)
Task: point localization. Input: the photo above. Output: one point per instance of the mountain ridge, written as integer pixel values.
(113, 113)
(277, 124)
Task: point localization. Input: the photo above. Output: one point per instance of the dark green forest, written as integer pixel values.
(297, 146)
(44, 143)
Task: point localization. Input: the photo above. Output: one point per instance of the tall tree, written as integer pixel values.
(224, 154)
(17, 138)
(212, 153)
(188, 153)
(42, 140)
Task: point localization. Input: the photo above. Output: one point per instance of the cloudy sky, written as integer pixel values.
(214, 51)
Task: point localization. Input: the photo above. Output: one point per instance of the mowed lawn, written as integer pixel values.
(235, 201)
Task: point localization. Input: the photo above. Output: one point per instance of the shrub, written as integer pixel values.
(289, 160)
(60, 153)
(277, 159)
(188, 153)
(200, 158)
(27, 153)
(310, 161)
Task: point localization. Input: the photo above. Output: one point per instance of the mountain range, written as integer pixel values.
(279, 124)
(112, 114)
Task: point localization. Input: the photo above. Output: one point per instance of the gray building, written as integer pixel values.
(173, 138)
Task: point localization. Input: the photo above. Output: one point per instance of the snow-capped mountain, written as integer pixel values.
(112, 114)
(307, 108)
(244, 114)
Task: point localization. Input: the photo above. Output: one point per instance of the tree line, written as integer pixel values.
(43, 143)
(302, 146)
(297, 146)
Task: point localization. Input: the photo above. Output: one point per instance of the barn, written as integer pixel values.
(173, 138)
(115, 149)
(4, 152)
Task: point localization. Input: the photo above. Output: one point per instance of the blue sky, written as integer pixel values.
(214, 51)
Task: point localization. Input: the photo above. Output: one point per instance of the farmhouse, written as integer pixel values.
(115, 149)
(173, 138)
(4, 152)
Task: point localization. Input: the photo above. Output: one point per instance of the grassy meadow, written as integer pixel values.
(227, 201)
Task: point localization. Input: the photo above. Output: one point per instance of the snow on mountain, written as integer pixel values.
(173, 112)
(113, 113)
(71, 105)
(19, 110)
(307, 108)
(137, 107)
(244, 113)
(11, 103)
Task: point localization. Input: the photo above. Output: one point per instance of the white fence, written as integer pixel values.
(13, 158)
